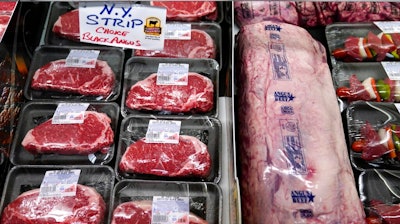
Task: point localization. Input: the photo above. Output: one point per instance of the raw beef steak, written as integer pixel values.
(188, 10)
(57, 76)
(294, 159)
(189, 158)
(197, 96)
(201, 45)
(141, 212)
(67, 25)
(94, 134)
(87, 206)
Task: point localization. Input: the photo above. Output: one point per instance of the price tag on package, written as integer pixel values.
(70, 113)
(388, 26)
(392, 69)
(163, 131)
(178, 31)
(122, 24)
(82, 58)
(170, 210)
(59, 183)
(172, 74)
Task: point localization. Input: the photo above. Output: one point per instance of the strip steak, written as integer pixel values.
(56, 76)
(140, 212)
(187, 10)
(294, 160)
(87, 206)
(94, 134)
(197, 96)
(67, 25)
(189, 158)
(201, 45)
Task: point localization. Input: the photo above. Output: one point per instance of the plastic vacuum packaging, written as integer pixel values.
(169, 148)
(374, 132)
(367, 81)
(159, 86)
(380, 195)
(75, 73)
(50, 133)
(355, 42)
(193, 11)
(170, 202)
(57, 194)
(294, 163)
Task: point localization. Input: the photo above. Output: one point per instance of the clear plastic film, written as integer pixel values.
(294, 164)
(196, 155)
(146, 200)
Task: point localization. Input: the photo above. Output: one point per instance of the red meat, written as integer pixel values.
(187, 10)
(189, 158)
(67, 25)
(375, 148)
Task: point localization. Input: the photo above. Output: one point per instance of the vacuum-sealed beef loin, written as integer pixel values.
(294, 160)
(93, 135)
(189, 10)
(196, 96)
(141, 212)
(188, 158)
(87, 206)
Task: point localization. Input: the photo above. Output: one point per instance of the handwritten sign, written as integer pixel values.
(122, 25)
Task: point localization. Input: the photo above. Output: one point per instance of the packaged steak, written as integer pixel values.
(57, 194)
(380, 195)
(368, 81)
(169, 148)
(361, 42)
(189, 40)
(294, 162)
(170, 86)
(172, 202)
(75, 73)
(63, 132)
(374, 132)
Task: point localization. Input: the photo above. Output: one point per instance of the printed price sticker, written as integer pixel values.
(163, 131)
(178, 31)
(122, 24)
(388, 26)
(170, 210)
(70, 113)
(82, 58)
(59, 183)
(172, 74)
(392, 69)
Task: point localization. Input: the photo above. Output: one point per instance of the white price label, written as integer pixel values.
(170, 210)
(82, 58)
(388, 26)
(59, 183)
(163, 131)
(122, 24)
(172, 74)
(178, 31)
(70, 113)
(392, 69)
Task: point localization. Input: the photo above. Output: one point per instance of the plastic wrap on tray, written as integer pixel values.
(160, 151)
(374, 135)
(39, 142)
(355, 42)
(380, 194)
(148, 201)
(54, 74)
(149, 87)
(28, 195)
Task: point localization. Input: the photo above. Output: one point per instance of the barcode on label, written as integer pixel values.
(164, 78)
(153, 135)
(160, 218)
(72, 61)
(170, 33)
(48, 189)
(60, 117)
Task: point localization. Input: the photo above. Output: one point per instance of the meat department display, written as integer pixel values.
(87, 206)
(94, 134)
(287, 111)
(195, 97)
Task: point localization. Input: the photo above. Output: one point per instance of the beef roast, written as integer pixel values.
(94, 134)
(201, 45)
(57, 76)
(188, 158)
(87, 206)
(67, 25)
(294, 164)
(188, 10)
(141, 212)
(196, 96)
